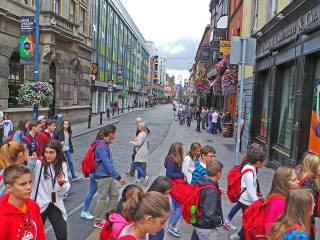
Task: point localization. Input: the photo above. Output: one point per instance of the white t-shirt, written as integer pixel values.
(249, 182)
(188, 167)
(215, 116)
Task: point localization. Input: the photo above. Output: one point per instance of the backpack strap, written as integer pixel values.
(36, 195)
(243, 173)
(209, 186)
(304, 180)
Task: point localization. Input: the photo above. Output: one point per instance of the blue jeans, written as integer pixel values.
(209, 126)
(141, 173)
(175, 213)
(158, 236)
(68, 155)
(92, 190)
(233, 211)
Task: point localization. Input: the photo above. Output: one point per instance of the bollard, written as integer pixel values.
(128, 108)
(118, 110)
(112, 112)
(108, 113)
(89, 121)
(101, 113)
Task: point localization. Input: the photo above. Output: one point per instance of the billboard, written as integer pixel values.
(314, 140)
(26, 43)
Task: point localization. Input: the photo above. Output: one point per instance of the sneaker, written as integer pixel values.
(229, 226)
(174, 231)
(66, 195)
(87, 215)
(75, 179)
(99, 224)
(235, 237)
(146, 180)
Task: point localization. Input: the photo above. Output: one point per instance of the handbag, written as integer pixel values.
(135, 151)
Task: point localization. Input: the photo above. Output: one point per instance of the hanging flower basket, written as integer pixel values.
(201, 86)
(229, 82)
(122, 95)
(216, 86)
(36, 93)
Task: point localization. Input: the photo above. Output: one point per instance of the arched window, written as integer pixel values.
(15, 78)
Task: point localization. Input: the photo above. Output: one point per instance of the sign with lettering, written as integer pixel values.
(205, 52)
(224, 47)
(26, 43)
(217, 36)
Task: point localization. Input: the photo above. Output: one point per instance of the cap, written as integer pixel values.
(40, 118)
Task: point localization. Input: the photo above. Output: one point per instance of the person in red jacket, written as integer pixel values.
(20, 217)
(45, 136)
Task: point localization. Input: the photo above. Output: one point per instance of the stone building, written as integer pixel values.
(64, 61)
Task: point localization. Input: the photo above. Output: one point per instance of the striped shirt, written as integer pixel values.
(198, 172)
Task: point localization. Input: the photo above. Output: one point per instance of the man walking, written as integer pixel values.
(215, 116)
(106, 176)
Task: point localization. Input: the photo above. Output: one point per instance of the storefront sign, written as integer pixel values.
(110, 86)
(217, 36)
(314, 139)
(205, 52)
(94, 69)
(26, 45)
(291, 30)
(224, 47)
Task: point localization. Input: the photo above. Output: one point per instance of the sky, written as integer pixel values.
(175, 26)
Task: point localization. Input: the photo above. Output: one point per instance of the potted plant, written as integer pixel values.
(36, 94)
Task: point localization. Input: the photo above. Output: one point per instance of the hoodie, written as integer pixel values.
(209, 205)
(42, 139)
(118, 223)
(16, 225)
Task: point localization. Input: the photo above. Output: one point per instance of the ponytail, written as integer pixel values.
(141, 204)
(9, 153)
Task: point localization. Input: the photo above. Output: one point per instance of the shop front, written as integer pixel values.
(286, 99)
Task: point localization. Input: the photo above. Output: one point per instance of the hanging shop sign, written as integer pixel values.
(26, 44)
(110, 86)
(120, 75)
(217, 36)
(224, 47)
(205, 52)
(94, 69)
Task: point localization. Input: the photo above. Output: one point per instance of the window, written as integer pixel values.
(263, 91)
(225, 5)
(15, 79)
(272, 10)
(56, 6)
(286, 107)
(255, 8)
(72, 11)
(82, 20)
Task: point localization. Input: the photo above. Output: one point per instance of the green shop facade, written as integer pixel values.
(286, 99)
(121, 55)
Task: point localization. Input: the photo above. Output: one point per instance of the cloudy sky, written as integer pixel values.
(175, 26)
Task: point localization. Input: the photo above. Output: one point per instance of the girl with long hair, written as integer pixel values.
(310, 178)
(50, 183)
(191, 160)
(65, 138)
(21, 130)
(295, 223)
(148, 213)
(173, 165)
(284, 180)
(11, 153)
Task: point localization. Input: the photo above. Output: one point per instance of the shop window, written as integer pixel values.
(15, 79)
(264, 100)
(286, 107)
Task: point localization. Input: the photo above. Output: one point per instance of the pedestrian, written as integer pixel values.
(30, 138)
(50, 183)
(310, 179)
(65, 138)
(141, 152)
(210, 203)
(256, 158)
(191, 160)
(204, 118)
(215, 117)
(162, 185)
(7, 126)
(143, 165)
(208, 154)
(106, 176)
(118, 219)
(86, 214)
(43, 121)
(45, 135)
(294, 224)
(21, 130)
(189, 116)
(19, 215)
(148, 212)
(219, 122)
(11, 153)
(209, 121)
(173, 165)
(284, 180)
(222, 118)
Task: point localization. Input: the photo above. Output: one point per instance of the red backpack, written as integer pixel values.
(253, 220)
(234, 183)
(192, 202)
(301, 183)
(89, 164)
(107, 232)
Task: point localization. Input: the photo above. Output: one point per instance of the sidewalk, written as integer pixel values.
(80, 129)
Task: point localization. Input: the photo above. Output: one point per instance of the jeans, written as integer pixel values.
(175, 213)
(241, 233)
(68, 155)
(233, 211)
(141, 173)
(158, 236)
(214, 128)
(57, 221)
(90, 194)
(107, 187)
(209, 127)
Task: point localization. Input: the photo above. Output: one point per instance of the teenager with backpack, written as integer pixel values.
(191, 161)
(118, 219)
(256, 158)
(310, 178)
(209, 206)
(295, 223)
(106, 176)
(19, 215)
(11, 153)
(173, 165)
(148, 213)
(30, 138)
(50, 183)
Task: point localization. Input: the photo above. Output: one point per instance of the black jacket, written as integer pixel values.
(60, 137)
(209, 205)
